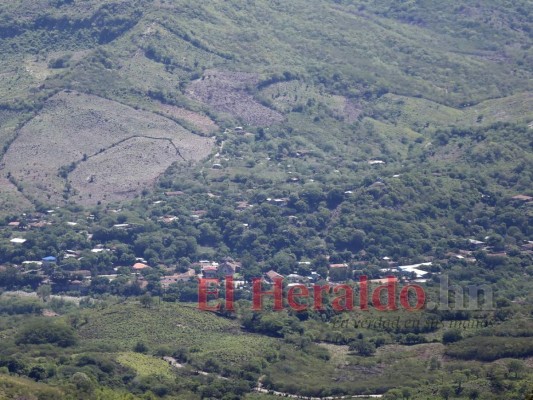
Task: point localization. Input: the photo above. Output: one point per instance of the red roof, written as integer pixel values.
(273, 275)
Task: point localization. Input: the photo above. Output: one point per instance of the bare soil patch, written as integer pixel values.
(227, 92)
(201, 122)
(121, 171)
(11, 200)
(351, 111)
(285, 96)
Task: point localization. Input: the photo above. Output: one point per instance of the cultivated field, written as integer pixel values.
(102, 177)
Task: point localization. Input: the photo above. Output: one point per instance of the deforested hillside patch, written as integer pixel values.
(351, 111)
(11, 200)
(227, 92)
(121, 148)
(121, 171)
(201, 122)
(518, 107)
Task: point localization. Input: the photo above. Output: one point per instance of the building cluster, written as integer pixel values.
(336, 273)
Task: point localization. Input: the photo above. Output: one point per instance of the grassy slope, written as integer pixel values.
(145, 365)
(12, 387)
(420, 113)
(205, 334)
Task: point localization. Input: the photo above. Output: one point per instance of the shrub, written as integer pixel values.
(140, 347)
(83, 382)
(47, 332)
(37, 373)
(491, 348)
(451, 336)
(363, 347)
(61, 62)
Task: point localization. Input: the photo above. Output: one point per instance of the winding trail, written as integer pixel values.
(259, 388)
(173, 362)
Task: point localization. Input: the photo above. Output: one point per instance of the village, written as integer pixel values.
(57, 269)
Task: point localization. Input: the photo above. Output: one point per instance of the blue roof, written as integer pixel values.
(50, 259)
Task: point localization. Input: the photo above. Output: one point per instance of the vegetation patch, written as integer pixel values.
(12, 387)
(145, 365)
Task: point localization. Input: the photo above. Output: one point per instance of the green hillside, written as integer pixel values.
(324, 140)
(261, 64)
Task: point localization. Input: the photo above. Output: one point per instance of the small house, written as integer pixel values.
(121, 226)
(174, 193)
(49, 261)
(242, 205)
(522, 197)
(210, 271)
(166, 281)
(295, 278)
(273, 275)
(229, 267)
(137, 267)
(314, 277)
